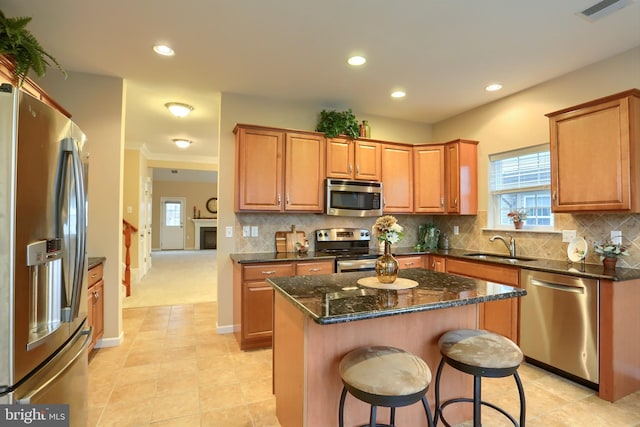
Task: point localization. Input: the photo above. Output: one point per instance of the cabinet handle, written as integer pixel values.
(357, 169)
(267, 273)
(314, 269)
(433, 265)
(553, 196)
(455, 202)
(94, 275)
(408, 263)
(288, 199)
(278, 199)
(441, 202)
(384, 202)
(350, 169)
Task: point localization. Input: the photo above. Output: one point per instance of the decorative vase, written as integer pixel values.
(518, 224)
(387, 266)
(609, 263)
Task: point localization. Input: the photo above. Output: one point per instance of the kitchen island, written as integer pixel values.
(318, 319)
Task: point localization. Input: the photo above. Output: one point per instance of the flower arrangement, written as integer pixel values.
(609, 249)
(387, 229)
(518, 215)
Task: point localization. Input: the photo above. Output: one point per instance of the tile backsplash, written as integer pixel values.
(471, 234)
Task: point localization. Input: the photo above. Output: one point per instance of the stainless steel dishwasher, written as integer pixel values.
(559, 324)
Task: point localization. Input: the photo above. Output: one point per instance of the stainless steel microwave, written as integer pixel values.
(353, 198)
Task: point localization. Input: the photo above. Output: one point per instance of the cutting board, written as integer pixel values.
(286, 240)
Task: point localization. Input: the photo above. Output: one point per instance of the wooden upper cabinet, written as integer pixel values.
(461, 176)
(304, 172)
(595, 153)
(429, 179)
(278, 170)
(354, 159)
(397, 178)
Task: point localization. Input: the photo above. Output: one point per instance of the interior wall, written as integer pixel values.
(196, 194)
(97, 104)
(245, 109)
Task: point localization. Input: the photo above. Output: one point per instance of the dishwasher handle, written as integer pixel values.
(557, 286)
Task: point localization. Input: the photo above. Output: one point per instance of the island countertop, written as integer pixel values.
(337, 298)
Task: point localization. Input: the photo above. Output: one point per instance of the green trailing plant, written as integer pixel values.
(334, 123)
(17, 43)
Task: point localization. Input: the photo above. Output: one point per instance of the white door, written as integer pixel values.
(144, 251)
(172, 227)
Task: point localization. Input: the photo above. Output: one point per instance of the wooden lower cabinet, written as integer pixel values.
(502, 316)
(253, 297)
(95, 304)
(436, 263)
(410, 261)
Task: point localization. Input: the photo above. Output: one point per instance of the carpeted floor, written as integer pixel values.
(176, 277)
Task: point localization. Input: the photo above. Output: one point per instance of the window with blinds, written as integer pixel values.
(521, 179)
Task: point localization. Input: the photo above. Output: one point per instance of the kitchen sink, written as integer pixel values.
(488, 256)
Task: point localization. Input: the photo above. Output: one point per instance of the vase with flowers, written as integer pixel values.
(518, 216)
(387, 231)
(610, 252)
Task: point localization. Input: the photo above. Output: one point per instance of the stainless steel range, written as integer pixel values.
(350, 247)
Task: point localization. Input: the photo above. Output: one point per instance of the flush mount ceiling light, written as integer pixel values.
(493, 87)
(178, 109)
(163, 50)
(182, 143)
(398, 94)
(356, 60)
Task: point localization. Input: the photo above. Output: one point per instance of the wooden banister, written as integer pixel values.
(127, 231)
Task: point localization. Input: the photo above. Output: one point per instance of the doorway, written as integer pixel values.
(172, 216)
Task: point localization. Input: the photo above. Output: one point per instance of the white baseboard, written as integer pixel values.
(110, 342)
(225, 329)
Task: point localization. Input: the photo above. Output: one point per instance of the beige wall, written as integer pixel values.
(196, 194)
(267, 112)
(97, 105)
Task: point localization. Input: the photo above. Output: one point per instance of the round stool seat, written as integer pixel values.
(385, 371)
(480, 349)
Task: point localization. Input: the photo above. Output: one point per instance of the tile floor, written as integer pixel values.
(173, 370)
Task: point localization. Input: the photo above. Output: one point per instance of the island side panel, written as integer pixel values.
(619, 343)
(288, 361)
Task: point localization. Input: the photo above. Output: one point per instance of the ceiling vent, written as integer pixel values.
(602, 9)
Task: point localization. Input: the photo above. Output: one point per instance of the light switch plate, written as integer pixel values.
(254, 231)
(616, 237)
(246, 231)
(567, 235)
(228, 231)
(456, 230)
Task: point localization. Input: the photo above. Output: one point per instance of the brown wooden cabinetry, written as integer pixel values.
(500, 316)
(595, 153)
(410, 261)
(436, 263)
(278, 170)
(95, 304)
(429, 179)
(397, 178)
(354, 159)
(253, 297)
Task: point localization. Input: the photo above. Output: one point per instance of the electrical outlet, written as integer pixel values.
(568, 235)
(456, 230)
(228, 231)
(616, 237)
(246, 231)
(254, 231)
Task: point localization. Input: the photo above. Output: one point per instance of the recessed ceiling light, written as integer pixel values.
(179, 109)
(398, 94)
(493, 87)
(164, 50)
(182, 143)
(356, 60)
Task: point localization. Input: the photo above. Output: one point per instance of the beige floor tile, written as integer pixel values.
(169, 406)
(257, 390)
(186, 421)
(127, 393)
(215, 397)
(129, 414)
(237, 416)
(263, 413)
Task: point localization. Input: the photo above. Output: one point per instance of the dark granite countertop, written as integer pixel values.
(337, 298)
(595, 271)
(93, 261)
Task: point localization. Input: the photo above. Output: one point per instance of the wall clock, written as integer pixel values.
(212, 205)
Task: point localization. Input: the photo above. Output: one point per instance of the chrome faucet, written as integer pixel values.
(511, 245)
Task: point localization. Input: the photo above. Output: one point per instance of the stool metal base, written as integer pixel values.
(477, 401)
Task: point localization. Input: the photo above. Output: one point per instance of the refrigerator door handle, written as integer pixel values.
(33, 394)
(81, 229)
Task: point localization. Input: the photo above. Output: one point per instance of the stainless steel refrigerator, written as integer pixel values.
(43, 263)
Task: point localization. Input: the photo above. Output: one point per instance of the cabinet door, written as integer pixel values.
(258, 311)
(436, 263)
(259, 169)
(340, 161)
(308, 268)
(90, 321)
(368, 160)
(98, 310)
(397, 178)
(429, 178)
(410, 261)
(304, 172)
(461, 165)
(594, 151)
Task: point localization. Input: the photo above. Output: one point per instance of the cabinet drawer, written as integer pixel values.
(484, 271)
(410, 261)
(266, 270)
(309, 268)
(95, 274)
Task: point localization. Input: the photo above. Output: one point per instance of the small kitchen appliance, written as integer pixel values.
(353, 198)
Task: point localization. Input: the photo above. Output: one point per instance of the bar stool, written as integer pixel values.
(384, 376)
(481, 354)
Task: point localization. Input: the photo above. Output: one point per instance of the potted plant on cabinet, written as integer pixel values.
(610, 252)
(23, 49)
(334, 123)
(518, 216)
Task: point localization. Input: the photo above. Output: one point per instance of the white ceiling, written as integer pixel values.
(442, 53)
